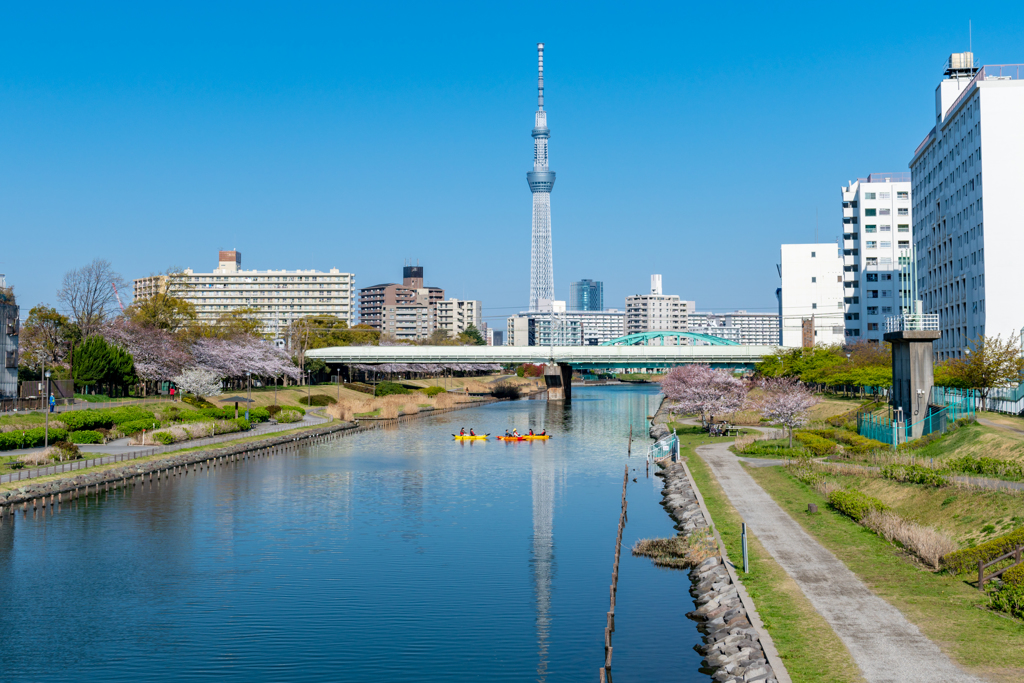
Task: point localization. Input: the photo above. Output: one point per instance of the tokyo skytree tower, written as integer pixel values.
(542, 180)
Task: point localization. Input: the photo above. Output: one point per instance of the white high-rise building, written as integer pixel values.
(456, 315)
(279, 297)
(877, 220)
(657, 311)
(811, 304)
(968, 179)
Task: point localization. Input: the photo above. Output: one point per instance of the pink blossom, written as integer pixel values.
(699, 389)
(784, 401)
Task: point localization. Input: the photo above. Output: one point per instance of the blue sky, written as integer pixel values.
(688, 140)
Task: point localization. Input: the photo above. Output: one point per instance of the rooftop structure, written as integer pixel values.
(541, 180)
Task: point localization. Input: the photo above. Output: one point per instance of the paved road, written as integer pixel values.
(882, 642)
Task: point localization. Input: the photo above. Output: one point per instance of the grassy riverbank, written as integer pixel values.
(812, 652)
(945, 608)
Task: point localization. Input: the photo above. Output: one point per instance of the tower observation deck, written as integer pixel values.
(541, 180)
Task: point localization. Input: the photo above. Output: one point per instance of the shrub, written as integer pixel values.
(106, 417)
(852, 442)
(288, 415)
(854, 504)
(914, 474)
(259, 414)
(136, 426)
(197, 401)
(991, 467)
(927, 543)
(816, 444)
(1008, 598)
(774, 450)
(29, 438)
(1014, 576)
(67, 450)
(506, 390)
(166, 438)
(434, 391)
(85, 436)
(273, 409)
(966, 560)
(389, 388)
(325, 400)
(243, 424)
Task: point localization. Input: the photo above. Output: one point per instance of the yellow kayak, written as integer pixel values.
(467, 437)
(525, 437)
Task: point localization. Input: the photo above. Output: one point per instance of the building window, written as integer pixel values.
(814, 279)
(886, 309)
(904, 244)
(872, 327)
(903, 227)
(902, 195)
(886, 245)
(870, 228)
(870, 212)
(869, 195)
(872, 277)
(872, 293)
(902, 212)
(872, 310)
(885, 228)
(813, 254)
(814, 305)
(871, 244)
(884, 212)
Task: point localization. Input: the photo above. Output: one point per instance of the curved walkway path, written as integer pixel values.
(884, 644)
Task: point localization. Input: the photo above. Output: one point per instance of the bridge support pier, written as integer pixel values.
(558, 378)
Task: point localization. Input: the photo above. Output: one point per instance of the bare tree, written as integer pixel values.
(88, 296)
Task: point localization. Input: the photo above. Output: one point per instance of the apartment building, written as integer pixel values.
(657, 311)
(877, 234)
(456, 315)
(760, 329)
(586, 295)
(811, 297)
(278, 296)
(967, 176)
(411, 304)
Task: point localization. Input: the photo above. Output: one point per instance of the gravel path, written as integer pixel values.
(884, 644)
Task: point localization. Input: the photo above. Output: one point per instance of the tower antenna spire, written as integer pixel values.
(540, 76)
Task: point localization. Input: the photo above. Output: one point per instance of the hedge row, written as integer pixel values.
(816, 444)
(992, 467)
(773, 449)
(1014, 576)
(228, 413)
(434, 391)
(854, 504)
(853, 442)
(30, 438)
(318, 400)
(966, 560)
(85, 436)
(914, 474)
(77, 420)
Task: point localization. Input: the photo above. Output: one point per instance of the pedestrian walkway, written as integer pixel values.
(882, 642)
(119, 450)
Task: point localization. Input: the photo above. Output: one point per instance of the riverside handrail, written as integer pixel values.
(982, 565)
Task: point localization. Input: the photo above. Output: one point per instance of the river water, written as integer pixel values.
(394, 555)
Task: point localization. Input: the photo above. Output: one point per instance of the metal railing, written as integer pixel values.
(909, 322)
(666, 447)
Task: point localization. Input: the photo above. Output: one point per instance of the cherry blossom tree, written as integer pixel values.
(198, 382)
(702, 390)
(158, 354)
(235, 357)
(784, 401)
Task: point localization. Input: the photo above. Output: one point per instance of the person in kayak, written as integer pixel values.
(531, 432)
(544, 433)
(515, 433)
(462, 432)
(507, 435)
(471, 432)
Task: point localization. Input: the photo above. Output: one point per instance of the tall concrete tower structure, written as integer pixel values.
(542, 180)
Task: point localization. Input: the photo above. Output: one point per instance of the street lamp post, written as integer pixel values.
(309, 395)
(248, 379)
(46, 431)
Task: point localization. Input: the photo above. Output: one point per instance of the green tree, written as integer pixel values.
(472, 336)
(46, 339)
(162, 311)
(992, 362)
(97, 362)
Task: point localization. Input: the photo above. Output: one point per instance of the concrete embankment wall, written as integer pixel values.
(36, 495)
